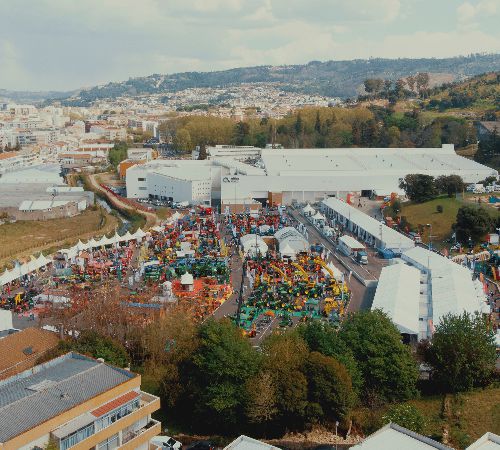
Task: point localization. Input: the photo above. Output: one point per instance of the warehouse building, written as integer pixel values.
(77, 402)
(240, 175)
(366, 228)
(422, 287)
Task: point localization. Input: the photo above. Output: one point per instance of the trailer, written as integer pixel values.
(351, 247)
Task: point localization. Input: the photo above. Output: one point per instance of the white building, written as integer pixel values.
(179, 181)
(244, 174)
(366, 228)
(422, 287)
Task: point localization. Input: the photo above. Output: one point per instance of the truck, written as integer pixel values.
(351, 247)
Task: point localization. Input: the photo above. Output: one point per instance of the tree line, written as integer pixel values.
(322, 127)
(212, 380)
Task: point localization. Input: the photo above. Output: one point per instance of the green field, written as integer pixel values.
(426, 213)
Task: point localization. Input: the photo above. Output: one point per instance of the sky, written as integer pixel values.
(68, 44)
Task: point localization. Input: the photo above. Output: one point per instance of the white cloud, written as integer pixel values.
(468, 13)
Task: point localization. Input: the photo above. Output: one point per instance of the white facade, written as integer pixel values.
(365, 227)
(243, 174)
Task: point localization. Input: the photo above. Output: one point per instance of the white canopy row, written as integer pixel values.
(37, 263)
(104, 240)
(24, 269)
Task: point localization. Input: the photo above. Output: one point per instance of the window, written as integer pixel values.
(109, 444)
(77, 436)
(141, 179)
(116, 414)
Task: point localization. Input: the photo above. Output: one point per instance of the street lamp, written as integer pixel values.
(430, 235)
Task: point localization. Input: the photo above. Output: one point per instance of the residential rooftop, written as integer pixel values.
(47, 390)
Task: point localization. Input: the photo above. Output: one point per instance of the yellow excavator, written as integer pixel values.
(283, 274)
(335, 285)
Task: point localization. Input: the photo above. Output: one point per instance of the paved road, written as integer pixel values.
(362, 296)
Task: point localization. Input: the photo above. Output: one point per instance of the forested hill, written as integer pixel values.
(332, 78)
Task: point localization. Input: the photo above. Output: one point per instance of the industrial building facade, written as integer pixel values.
(244, 175)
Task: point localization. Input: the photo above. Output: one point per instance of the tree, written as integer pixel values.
(329, 388)
(182, 140)
(407, 416)
(324, 338)
(422, 81)
(388, 369)
(463, 352)
(473, 223)
(96, 345)
(317, 124)
(242, 133)
(203, 152)
(418, 187)
(216, 374)
(450, 184)
(118, 153)
(284, 358)
(262, 402)
(373, 85)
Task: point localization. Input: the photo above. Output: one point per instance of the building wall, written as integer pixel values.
(166, 187)
(68, 210)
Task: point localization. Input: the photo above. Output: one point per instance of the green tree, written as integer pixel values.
(450, 184)
(373, 85)
(329, 388)
(284, 358)
(262, 404)
(182, 140)
(203, 152)
(93, 344)
(407, 416)
(473, 223)
(418, 187)
(317, 124)
(242, 133)
(118, 153)
(324, 338)
(463, 352)
(388, 368)
(216, 374)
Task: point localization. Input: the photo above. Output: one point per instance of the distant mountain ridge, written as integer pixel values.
(331, 78)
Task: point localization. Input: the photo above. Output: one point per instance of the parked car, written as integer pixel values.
(166, 442)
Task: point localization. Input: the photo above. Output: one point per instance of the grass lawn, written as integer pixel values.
(25, 237)
(467, 416)
(425, 213)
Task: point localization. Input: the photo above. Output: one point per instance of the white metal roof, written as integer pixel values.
(488, 441)
(350, 242)
(247, 443)
(398, 294)
(452, 288)
(253, 243)
(392, 436)
(388, 236)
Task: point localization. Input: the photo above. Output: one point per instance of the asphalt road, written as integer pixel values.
(361, 296)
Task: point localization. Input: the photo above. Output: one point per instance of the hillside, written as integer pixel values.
(332, 78)
(477, 95)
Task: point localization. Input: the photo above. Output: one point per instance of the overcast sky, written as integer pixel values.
(66, 44)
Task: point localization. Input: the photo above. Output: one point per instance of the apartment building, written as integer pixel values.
(78, 403)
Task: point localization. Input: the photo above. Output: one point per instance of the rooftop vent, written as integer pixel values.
(28, 351)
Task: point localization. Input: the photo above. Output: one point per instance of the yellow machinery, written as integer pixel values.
(278, 270)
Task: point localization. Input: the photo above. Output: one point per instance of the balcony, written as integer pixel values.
(134, 439)
(148, 404)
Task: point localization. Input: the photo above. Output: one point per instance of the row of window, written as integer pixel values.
(101, 423)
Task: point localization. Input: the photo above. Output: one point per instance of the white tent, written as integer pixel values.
(318, 217)
(264, 228)
(308, 210)
(253, 244)
(139, 234)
